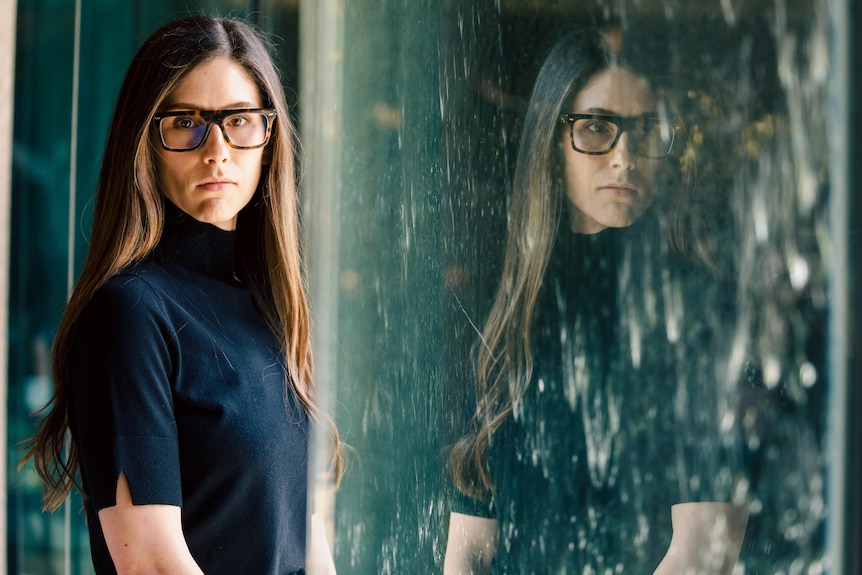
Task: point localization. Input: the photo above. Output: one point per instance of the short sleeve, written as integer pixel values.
(466, 505)
(459, 501)
(121, 404)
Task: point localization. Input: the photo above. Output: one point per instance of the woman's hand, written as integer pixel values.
(707, 538)
(145, 539)
(471, 545)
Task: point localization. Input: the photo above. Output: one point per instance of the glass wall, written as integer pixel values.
(716, 363)
(705, 353)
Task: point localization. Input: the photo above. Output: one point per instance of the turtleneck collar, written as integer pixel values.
(609, 238)
(197, 246)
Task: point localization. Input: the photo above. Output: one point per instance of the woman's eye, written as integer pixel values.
(599, 127)
(184, 123)
(648, 127)
(237, 121)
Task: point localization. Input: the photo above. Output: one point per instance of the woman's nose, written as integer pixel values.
(622, 156)
(215, 147)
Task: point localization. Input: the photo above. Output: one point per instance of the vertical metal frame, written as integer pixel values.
(7, 102)
(847, 122)
(844, 426)
(321, 44)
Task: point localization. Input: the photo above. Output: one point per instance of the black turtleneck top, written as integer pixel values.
(619, 421)
(178, 383)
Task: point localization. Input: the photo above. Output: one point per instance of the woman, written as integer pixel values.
(182, 364)
(585, 429)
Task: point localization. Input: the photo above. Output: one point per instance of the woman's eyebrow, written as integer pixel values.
(188, 106)
(600, 111)
(606, 112)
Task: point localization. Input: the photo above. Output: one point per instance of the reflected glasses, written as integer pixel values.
(187, 130)
(597, 134)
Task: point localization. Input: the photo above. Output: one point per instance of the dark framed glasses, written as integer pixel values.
(187, 130)
(597, 134)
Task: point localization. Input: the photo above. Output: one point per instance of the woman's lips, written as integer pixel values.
(619, 190)
(215, 185)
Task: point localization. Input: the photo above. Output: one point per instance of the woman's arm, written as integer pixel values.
(707, 538)
(471, 546)
(145, 539)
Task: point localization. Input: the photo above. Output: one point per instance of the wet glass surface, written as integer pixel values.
(707, 359)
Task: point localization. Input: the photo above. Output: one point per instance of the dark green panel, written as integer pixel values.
(40, 186)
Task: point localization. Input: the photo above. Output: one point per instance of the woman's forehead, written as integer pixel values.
(617, 90)
(215, 84)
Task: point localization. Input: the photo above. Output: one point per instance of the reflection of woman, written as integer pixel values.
(182, 364)
(574, 453)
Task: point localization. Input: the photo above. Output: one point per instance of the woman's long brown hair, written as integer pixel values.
(128, 221)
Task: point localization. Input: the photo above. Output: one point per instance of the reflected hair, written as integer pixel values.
(128, 221)
(504, 361)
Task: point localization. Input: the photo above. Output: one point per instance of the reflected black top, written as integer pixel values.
(622, 417)
(178, 382)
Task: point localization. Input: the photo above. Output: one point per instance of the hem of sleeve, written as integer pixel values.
(466, 505)
(151, 467)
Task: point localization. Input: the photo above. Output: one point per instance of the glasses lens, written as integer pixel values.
(652, 137)
(593, 134)
(182, 132)
(246, 130)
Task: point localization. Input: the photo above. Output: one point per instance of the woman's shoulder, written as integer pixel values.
(149, 276)
(125, 313)
(136, 289)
